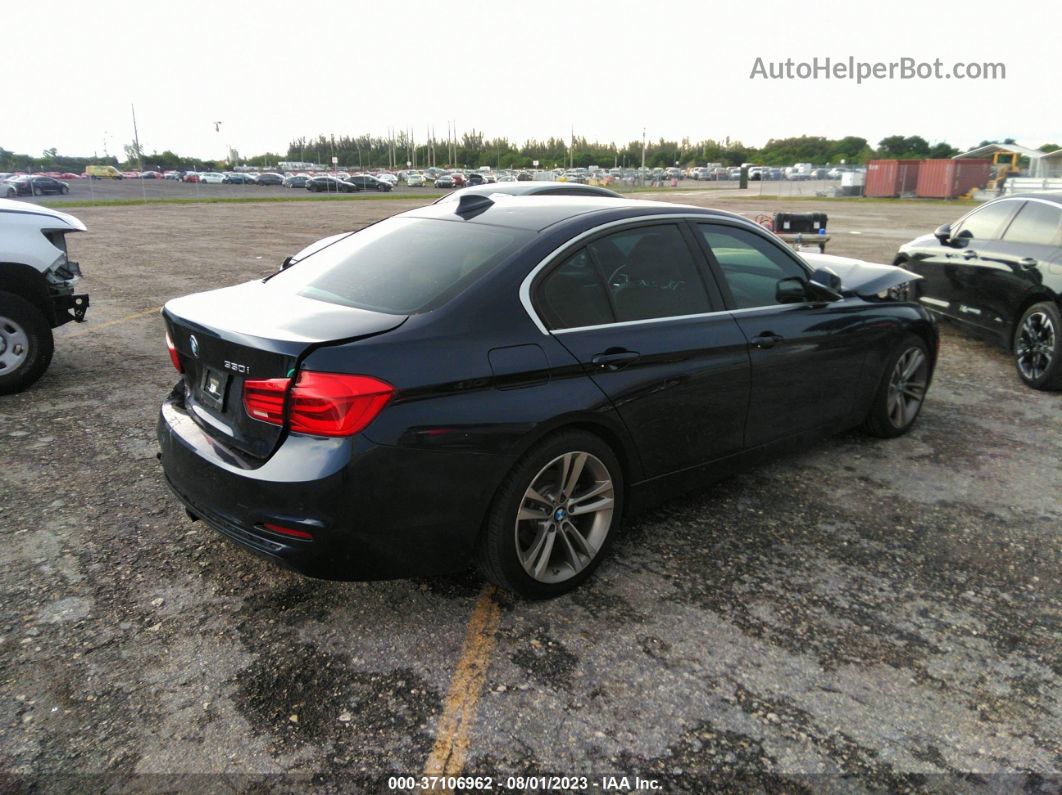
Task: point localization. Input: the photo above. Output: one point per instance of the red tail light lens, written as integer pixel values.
(264, 400)
(332, 404)
(323, 404)
(287, 531)
(173, 353)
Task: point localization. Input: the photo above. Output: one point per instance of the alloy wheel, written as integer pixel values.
(907, 387)
(14, 345)
(1036, 345)
(564, 517)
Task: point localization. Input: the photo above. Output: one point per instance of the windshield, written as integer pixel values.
(402, 265)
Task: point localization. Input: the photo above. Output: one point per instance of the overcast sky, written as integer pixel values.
(272, 71)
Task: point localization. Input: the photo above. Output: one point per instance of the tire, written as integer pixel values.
(64, 191)
(558, 567)
(25, 343)
(902, 390)
(1037, 346)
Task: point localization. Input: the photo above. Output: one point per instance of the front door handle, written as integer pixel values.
(613, 358)
(766, 340)
(969, 254)
(1027, 263)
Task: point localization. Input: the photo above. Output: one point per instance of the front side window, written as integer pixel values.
(402, 265)
(637, 274)
(985, 223)
(752, 266)
(1036, 223)
(649, 272)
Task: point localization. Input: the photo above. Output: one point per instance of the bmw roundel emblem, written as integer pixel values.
(194, 343)
(560, 515)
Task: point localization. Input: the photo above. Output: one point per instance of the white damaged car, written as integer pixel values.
(37, 280)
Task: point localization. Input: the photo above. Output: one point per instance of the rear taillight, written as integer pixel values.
(173, 354)
(323, 404)
(264, 400)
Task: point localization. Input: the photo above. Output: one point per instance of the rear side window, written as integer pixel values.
(751, 265)
(987, 222)
(1036, 223)
(574, 294)
(402, 265)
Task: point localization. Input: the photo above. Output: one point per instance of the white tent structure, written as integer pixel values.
(1051, 165)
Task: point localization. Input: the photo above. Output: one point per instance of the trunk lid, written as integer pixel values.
(226, 337)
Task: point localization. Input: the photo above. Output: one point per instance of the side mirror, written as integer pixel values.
(943, 234)
(825, 285)
(827, 278)
(790, 291)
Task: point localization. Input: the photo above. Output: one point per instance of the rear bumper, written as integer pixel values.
(374, 511)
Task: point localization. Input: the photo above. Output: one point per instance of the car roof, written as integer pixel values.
(535, 213)
(1054, 197)
(527, 188)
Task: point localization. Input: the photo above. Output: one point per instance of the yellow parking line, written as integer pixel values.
(97, 326)
(459, 709)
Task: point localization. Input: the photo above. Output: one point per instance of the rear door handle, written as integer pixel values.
(613, 358)
(766, 340)
(969, 254)
(1027, 263)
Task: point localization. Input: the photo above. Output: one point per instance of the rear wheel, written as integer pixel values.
(25, 344)
(902, 390)
(553, 517)
(1038, 347)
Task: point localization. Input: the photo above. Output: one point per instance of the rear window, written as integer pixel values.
(401, 266)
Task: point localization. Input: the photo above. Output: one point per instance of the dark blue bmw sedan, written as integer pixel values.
(501, 380)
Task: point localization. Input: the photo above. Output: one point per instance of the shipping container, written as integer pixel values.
(891, 178)
(949, 179)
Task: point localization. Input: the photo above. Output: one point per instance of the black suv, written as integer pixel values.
(998, 271)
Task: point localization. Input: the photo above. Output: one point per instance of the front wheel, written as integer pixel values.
(25, 344)
(904, 382)
(553, 517)
(1038, 347)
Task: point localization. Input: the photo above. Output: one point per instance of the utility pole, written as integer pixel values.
(643, 154)
(136, 141)
(217, 129)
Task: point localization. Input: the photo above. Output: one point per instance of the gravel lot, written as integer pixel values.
(865, 615)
